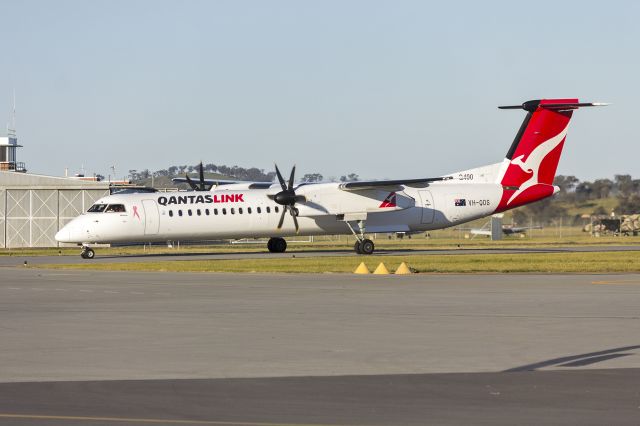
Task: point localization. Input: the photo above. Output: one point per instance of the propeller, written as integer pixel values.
(201, 185)
(288, 198)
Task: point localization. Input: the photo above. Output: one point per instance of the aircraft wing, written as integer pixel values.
(208, 181)
(391, 185)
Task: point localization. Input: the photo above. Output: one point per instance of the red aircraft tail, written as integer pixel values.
(531, 163)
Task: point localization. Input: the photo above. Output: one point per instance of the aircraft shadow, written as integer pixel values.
(578, 360)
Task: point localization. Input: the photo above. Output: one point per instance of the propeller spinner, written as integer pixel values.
(288, 198)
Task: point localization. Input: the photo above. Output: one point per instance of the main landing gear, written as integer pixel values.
(87, 253)
(277, 245)
(363, 245)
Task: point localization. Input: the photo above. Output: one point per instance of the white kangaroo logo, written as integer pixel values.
(533, 161)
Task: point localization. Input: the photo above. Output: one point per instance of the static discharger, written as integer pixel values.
(362, 269)
(403, 269)
(381, 270)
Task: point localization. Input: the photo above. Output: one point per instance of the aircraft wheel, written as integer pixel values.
(367, 246)
(356, 247)
(277, 245)
(87, 253)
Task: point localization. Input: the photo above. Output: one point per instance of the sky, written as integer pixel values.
(384, 89)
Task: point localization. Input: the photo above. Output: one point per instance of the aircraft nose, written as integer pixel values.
(63, 235)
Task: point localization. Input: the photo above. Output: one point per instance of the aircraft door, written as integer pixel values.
(151, 217)
(428, 210)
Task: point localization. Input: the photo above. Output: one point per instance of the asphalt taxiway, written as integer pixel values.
(84, 347)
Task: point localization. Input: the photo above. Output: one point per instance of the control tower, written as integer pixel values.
(9, 146)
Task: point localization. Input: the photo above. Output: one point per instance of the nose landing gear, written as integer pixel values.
(277, 245)
(87, 252)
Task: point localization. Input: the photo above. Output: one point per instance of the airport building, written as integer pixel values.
(34, 207)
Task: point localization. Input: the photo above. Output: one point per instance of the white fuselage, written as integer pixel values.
(235, 211)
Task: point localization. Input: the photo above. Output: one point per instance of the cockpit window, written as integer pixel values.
(97, 208)
(115, 208)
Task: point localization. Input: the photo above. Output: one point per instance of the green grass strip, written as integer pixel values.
(501, 263)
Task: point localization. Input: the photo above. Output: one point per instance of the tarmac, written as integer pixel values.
(86, 347)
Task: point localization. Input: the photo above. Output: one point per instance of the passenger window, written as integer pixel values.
(249, 210)
(268, 209)
(206, 211)
(180, 213)
(259, 210)
(97, 208)
(276, 209)
(115, 208)
(199, 212)
(215, 212)
(190, 212)
(239, 210)
(233, 211)
(224, 211)
(170, 213)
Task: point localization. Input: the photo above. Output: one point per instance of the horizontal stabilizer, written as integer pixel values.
(533, 105)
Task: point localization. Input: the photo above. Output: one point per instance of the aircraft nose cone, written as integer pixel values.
(62, 236)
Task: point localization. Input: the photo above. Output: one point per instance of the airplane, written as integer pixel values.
(506, 230)
(235, 210)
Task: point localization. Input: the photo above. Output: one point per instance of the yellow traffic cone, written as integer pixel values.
(381, 270)
(403, 269)
(362, 269)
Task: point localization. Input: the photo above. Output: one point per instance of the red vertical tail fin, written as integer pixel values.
(531, 163)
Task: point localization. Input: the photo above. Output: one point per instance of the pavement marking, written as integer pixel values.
(14, 288)
(636, 281)
(61, 289)
(136, 292)
(110, 291)
(143, 420)
(85, 291)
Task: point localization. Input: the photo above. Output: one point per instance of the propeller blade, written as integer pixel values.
(202, 184)
(284, 211)
(295, 219)
(191, 183)
(293, 172)
(281, 179)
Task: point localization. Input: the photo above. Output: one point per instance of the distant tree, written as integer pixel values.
(628, 205)
(351, 177)
(134, 174)
(566, 183)
(624, 184)
(99, 177)
(583, 191)
(602, 188)
(312, 177)
(173, 170)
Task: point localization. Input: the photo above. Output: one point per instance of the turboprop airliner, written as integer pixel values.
(235, 210)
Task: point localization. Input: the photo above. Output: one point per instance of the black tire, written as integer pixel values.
(88, 254)
(356, 247)
(277, 245)
(367, 247)
(280, 245)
